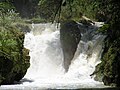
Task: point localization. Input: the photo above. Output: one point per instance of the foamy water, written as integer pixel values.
(46, 60)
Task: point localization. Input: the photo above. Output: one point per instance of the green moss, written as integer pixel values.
(109, 68)
(14, 60)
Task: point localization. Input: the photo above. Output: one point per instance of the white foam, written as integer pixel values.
(46, 70)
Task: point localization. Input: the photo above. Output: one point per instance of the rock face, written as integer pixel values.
(108, 70)
(69, 36)
(14, 58)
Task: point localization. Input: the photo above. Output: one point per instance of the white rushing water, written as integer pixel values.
(46, 70)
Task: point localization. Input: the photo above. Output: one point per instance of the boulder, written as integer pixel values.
(14, 58)
(69, 36)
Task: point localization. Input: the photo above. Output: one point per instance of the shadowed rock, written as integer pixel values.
(69, 37)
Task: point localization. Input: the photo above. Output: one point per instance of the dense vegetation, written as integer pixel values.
(107, 11)
(14, 58)
(109, 69)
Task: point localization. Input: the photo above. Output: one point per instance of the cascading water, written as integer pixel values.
(46, 62)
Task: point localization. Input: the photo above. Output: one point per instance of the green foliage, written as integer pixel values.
(109, 68)
(87, 8)
(6, 7)
(6, 19)
(67, 9)
(12, 60)
(48, 9)
(104, 29)
(13, 57)
(7, 14)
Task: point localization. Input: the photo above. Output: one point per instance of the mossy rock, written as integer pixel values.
(23, 27)
(14, 58)
(109, 68)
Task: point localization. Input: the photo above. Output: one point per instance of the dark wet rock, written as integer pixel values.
(69, 36)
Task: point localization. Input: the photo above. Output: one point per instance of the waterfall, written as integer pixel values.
(45, 52)
(46, 59)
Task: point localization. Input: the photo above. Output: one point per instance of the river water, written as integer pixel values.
(46, 60)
